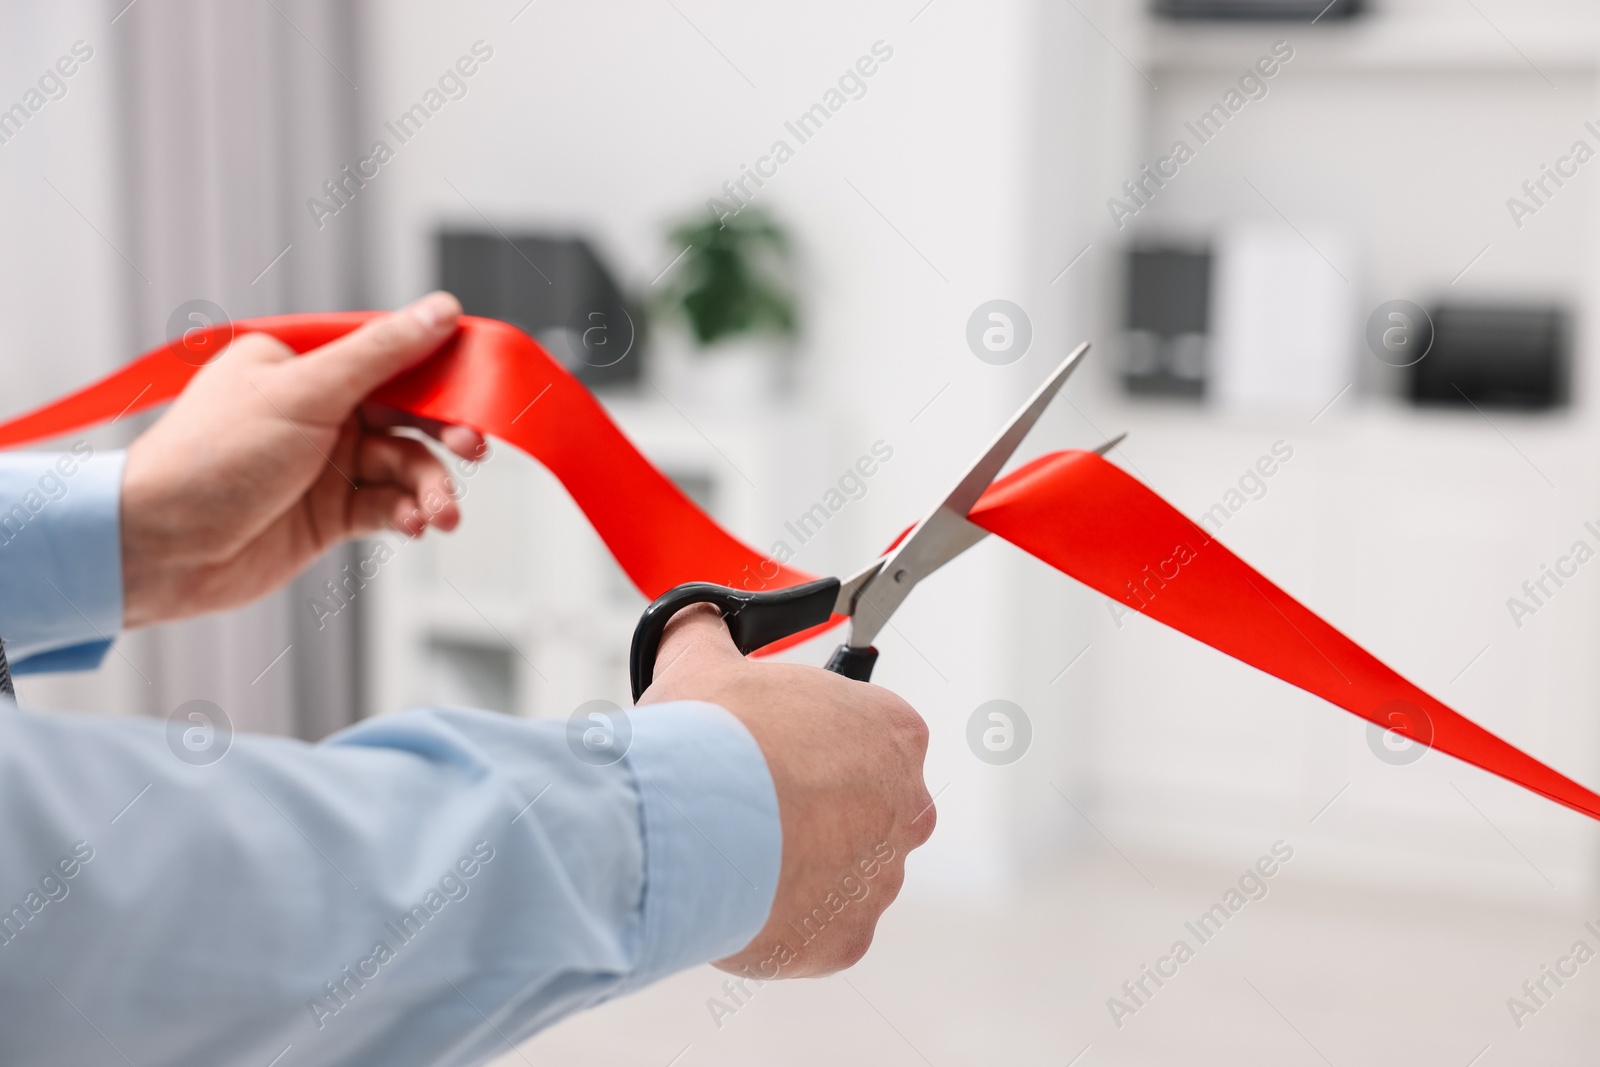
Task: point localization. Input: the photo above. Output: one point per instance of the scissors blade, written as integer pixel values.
(946, 531)
(970, 534)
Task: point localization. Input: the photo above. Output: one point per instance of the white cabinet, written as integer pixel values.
(1409, 531)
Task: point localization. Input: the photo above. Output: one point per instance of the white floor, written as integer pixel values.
(1311, 974)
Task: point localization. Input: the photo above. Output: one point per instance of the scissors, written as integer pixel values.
(868, 597)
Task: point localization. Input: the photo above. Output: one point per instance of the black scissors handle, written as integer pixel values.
(754, 619)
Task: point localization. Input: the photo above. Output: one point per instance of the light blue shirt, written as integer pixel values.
(427, 887)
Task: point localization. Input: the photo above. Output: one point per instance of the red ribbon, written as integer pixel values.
(1073, 510)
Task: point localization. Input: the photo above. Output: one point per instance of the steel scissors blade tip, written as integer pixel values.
(872, 595)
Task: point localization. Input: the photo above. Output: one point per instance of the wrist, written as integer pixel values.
(148, 574)
(143, 600)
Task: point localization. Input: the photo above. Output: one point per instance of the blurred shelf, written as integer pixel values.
(1357, 418)
(1391, 44)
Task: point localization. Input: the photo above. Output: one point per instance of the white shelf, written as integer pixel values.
(1393, 44)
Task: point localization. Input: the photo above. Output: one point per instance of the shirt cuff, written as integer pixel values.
(84, 657)
(60, 555)
(713, 841)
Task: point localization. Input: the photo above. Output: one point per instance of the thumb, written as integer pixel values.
(330, 382)
(695, 634)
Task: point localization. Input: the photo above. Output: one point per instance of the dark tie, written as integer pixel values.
(5, 675)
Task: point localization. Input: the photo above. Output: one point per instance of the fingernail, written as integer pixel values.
(434, 310)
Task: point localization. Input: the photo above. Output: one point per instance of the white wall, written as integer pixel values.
(63, 330)
(62, 275)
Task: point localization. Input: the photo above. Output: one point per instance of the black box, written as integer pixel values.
(546, 286)
(1500, 357)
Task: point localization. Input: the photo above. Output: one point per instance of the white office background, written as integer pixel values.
(976, 166)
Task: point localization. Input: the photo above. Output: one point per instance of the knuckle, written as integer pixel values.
(890, 880)
(923, 825)
(262, 346)
(853, 948)
(913, 730)
(384, 333)
(905, 721)
(917, 728)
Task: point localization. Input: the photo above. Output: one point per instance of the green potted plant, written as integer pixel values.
(732, 291)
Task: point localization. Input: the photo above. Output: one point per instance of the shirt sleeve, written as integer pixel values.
(424, 888)
(60, 557)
